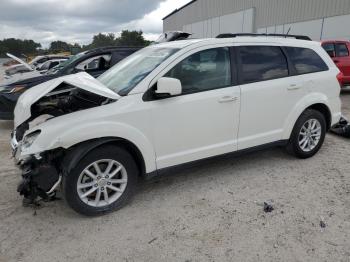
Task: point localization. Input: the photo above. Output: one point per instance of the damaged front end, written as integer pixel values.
(42, 167)
(40, 176)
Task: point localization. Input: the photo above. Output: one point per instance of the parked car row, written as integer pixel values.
(167, 105)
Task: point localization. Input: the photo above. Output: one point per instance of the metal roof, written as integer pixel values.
(178, 9)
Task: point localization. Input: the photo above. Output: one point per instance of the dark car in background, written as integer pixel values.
(95, 62)
(339, 52)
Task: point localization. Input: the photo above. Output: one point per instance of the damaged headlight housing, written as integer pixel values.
(29, 139)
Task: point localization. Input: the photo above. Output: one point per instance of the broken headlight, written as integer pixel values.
(29, 139)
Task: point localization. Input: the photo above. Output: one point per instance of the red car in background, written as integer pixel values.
(339, 52)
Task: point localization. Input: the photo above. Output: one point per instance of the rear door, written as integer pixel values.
(268, 94)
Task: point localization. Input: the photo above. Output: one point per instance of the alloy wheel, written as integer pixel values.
(102, 183)
(310, 135)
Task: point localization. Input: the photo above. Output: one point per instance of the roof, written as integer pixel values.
(177, 10)
(240, 39)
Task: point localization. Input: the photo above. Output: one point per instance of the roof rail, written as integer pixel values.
(299, 37)
(108, 48)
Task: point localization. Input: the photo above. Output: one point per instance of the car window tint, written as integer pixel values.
(53, 64)
(45, 66)
(120, 55)
(329, 47)
(202, 71)
(260, 63)
(96, 63)
(306, 60)
(42, 60)
(342, 50)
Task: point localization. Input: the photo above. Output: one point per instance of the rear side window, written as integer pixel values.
(260, 63)
(305, 60)
(341, 50)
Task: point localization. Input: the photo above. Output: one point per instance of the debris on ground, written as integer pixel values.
(322, 223)
(268, 207)
(152, 240)
(342, 128)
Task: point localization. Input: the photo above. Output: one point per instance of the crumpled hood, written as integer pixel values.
(80, 80)
(19, 61)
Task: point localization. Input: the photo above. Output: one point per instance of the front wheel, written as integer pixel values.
(103, 181)
(308, 134)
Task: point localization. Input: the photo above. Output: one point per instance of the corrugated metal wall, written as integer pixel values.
(268, 12)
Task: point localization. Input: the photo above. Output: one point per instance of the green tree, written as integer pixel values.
(131, 38)
(18, 47)
(102, 40)
(60, 46)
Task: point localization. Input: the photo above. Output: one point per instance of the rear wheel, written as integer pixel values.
(308, 134)
(103, 181)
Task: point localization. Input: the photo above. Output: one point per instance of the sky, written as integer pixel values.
(76, 21)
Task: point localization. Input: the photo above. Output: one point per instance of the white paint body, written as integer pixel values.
(185, 128)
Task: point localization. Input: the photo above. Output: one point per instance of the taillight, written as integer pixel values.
(340, 79)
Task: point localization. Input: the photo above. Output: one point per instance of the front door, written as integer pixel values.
(203, 121)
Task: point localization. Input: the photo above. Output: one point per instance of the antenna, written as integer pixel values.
(290, 28)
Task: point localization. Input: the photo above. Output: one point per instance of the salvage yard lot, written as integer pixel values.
(212, 212)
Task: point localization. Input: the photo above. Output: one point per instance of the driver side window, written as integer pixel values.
(206, 70)
(96, 63)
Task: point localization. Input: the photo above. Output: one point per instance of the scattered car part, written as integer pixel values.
(268, 207)
(342, 128)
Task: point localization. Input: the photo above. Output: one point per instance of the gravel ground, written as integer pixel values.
(212, 212)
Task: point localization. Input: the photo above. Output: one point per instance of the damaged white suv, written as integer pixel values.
(168, 105)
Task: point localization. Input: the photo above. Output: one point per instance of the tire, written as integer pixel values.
(296, 145)
(86, 176)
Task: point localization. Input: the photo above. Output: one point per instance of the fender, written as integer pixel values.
(299, 108)
(67, 138)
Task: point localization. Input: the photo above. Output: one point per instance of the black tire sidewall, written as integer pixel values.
(70, 179)
(294, 146)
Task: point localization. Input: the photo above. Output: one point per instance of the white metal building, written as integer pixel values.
(319, 19)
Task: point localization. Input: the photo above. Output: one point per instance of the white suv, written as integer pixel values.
(167, 105)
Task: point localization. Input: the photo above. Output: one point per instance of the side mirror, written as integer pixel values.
(167, 86)
(331, 53)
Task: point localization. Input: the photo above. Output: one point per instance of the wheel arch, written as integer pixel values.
(325, 111)
(317, 102)
(77, 152)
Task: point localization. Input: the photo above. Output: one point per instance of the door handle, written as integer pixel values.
(294, 87)
(336, 61)
(227, 99)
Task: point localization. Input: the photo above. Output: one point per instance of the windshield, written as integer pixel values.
(124, 76)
